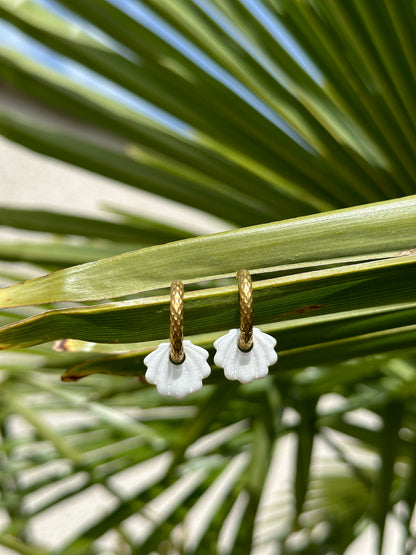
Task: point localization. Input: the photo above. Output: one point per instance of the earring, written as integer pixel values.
(245, 353)
(177, 368)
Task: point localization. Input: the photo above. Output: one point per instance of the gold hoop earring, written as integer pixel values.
(177, 354)
(245, 291)
(178, 367)
(245, 353)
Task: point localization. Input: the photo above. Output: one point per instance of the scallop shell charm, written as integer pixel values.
(177, 380)
(245, 366)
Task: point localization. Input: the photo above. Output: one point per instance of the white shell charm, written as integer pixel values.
(245, 366)
(177, 380)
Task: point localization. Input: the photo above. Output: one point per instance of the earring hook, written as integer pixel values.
(177, 354)
(245, 289)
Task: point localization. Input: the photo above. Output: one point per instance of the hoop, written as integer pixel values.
(177, 355)
(245, 289)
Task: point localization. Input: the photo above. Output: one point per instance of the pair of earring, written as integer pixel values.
(178, 368)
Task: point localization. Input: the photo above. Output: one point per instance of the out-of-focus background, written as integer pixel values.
(29, 180)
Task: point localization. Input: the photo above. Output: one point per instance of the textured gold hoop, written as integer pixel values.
(176, 322)
(245, 289)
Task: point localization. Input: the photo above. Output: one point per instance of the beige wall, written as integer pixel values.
(30, 180)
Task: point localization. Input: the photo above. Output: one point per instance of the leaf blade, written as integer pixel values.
(359, 230)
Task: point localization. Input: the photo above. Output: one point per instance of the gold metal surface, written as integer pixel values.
(245, 289)
(176, 322)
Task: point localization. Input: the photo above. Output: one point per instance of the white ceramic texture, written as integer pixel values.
(245, 366)
(177, 380)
